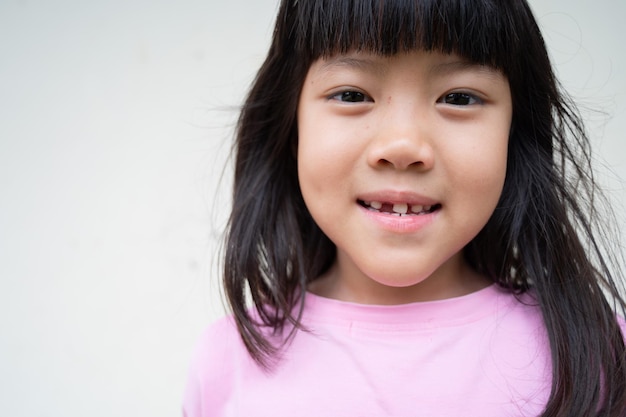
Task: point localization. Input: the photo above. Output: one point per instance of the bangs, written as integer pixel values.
(481, 31)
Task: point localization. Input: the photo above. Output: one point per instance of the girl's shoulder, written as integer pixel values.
(211, 370)
(218, 341)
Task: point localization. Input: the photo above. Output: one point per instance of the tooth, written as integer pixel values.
(376, 205)
(427, 208)
(416, 208)
(400, 208)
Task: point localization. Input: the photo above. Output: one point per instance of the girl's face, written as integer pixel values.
(401, 162)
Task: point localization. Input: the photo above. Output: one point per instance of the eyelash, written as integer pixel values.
(356, 96)
(468, 98)
(342, 95)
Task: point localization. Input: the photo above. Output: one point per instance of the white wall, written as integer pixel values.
(114, 125)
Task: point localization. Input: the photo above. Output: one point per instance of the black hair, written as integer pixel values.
(541, 237)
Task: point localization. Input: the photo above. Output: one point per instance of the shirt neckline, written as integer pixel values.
(447, 312)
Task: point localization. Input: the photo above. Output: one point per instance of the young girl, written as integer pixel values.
(413, 222)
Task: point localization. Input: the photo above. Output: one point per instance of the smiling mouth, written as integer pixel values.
(399, 209)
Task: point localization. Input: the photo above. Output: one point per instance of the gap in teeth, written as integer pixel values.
(399, 208)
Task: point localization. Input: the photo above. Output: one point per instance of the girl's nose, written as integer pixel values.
(402, 143)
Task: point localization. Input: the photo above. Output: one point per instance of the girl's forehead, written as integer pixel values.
(440, 63)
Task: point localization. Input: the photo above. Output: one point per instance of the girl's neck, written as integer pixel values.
(457, 280)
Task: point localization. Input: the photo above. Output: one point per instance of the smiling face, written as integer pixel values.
(401, 162)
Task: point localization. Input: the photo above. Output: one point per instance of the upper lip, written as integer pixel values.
(397, 197)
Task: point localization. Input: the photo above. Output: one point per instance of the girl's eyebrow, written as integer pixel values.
(358, 63)
(452, 67)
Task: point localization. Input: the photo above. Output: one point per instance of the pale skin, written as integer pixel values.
(421, 134)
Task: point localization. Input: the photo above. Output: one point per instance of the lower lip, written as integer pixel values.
(400, 224)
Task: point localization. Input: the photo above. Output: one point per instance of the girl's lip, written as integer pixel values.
(399, 224)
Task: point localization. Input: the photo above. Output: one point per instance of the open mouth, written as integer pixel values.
(399, 209)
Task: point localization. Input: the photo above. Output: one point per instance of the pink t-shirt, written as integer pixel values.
(485, 354)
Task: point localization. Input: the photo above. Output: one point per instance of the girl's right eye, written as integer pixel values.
(351, 96)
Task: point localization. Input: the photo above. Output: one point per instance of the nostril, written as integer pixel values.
(400, 166)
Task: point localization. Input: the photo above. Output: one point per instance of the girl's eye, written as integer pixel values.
(460, 99)
(351, 97)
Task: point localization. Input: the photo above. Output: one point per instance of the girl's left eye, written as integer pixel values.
(459, 99)
(351, 96)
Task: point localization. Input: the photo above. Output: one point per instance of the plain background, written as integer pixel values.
(115, 123)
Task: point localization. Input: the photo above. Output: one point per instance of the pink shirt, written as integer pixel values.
(484, 354)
